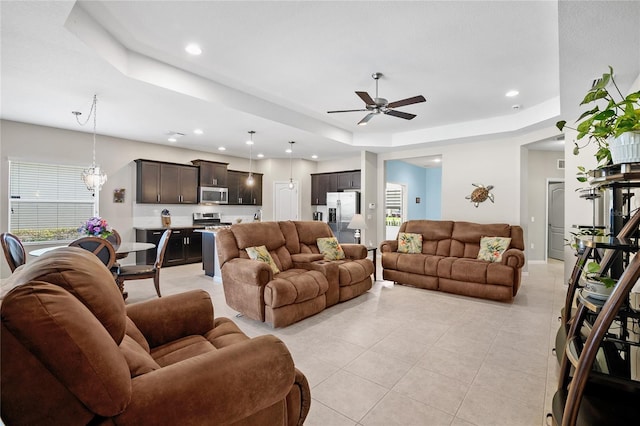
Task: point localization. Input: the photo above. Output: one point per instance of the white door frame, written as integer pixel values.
(278, 183)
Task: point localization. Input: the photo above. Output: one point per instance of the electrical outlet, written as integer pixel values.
(533, 246)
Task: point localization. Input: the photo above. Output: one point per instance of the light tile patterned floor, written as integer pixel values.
(404, 356)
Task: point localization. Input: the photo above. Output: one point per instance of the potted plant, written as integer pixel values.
(598, 286)
(613, 128)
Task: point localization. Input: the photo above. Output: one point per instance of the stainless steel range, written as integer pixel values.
(208, 220)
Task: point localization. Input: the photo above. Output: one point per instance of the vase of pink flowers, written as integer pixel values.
(95, 227)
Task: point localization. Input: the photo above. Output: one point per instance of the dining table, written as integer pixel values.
(122, 250)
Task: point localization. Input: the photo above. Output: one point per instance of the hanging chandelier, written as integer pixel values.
(250, 179)
(92, 177)
(291, 185)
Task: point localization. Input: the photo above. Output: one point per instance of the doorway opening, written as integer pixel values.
(395, 204)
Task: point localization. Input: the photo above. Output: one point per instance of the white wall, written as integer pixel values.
(542, 166)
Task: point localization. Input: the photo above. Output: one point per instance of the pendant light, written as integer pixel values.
(291, 185)
(93, 177)
(250, 179)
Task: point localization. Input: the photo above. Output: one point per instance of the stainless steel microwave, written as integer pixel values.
(214, 195)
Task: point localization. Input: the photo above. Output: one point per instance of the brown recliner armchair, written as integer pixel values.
(73, 353)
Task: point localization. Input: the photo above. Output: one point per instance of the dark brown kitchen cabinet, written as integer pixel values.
(212, 173)
(320, 185)
(349, 180)
(166, 183)
(242, 194)
(184, 246)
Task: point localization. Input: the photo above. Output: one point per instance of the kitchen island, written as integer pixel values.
(210, 262)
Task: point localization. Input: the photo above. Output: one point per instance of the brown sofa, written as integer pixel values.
(305, 285)
(448, 261)
(73, 353)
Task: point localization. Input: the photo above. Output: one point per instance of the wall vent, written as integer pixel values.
(560, 163)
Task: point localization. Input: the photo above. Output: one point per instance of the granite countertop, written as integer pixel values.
(161, 228)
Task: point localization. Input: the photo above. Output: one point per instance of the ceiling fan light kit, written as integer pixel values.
(379, 105)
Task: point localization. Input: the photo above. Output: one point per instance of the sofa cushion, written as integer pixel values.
(181, 349)
(82, 274)
(466, 237)
(409, 243)
(353, 271)
(330, 248)
(261, 254)
(492, 248)
(138, 359)
(294, 286)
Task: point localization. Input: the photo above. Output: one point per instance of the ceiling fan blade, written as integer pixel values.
(346, 110)
(366, 98)
(366, 119)
(408, 101)
(400, 114)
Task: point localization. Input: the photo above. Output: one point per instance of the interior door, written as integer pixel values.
(555, 233)
(285, 201)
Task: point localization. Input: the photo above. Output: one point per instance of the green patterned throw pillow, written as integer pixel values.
(330, 248)
(262, 254)
(409, 243)
(491, 248)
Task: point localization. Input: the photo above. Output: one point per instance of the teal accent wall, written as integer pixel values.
(421, 182)
(433, 205)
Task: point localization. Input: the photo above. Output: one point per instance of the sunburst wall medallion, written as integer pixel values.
(480, 194)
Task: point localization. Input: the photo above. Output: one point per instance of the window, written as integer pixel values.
(47, 202)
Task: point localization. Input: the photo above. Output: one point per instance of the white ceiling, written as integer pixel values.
(277, 67)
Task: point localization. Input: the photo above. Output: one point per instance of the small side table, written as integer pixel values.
(375, 261)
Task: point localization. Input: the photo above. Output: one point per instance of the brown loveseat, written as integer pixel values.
(448, 261)
(305, 285)
(74, 354)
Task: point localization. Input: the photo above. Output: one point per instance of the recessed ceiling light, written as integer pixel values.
(314, 156)
(512, 93)
(198, 131)
(260, 155)
(289, 151)
(222, 148)
(437, 160)
(172, 140)
(249, 142)
(193, 49)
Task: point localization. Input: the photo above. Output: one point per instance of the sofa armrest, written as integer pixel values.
(329, 269)
(298, 400)
(172, 317)
(247, 271)
(513, 257)
(389, 246)
(219, 387)
(306, 257)
(354, 251)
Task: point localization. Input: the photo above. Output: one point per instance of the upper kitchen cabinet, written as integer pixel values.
(320, 185)
(242, 194)
(166, 183)
(212, 173)
(349, 180)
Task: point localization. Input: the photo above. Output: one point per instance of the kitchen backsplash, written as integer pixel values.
(148, 215)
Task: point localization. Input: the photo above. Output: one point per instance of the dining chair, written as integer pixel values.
(139, 272)
(114, 239)
(13, 250)
(98, 246)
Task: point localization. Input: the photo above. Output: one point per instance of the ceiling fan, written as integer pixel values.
(378, 105)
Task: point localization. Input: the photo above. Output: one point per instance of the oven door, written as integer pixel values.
(209, 195)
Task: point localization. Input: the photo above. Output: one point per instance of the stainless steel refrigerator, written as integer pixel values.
(341, 207)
